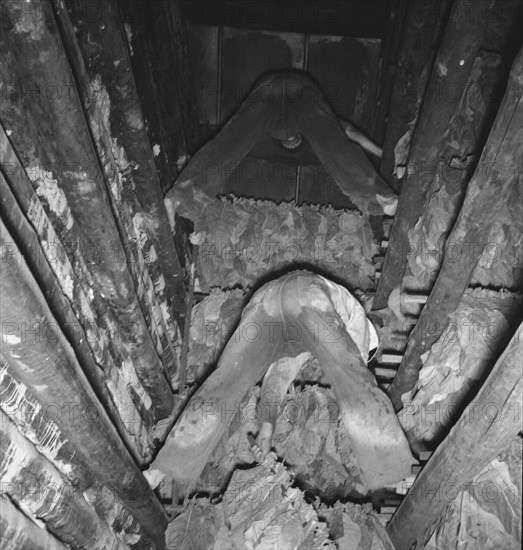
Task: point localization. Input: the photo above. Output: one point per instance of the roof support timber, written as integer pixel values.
(460, 44)
(51, 137)
(423, 22)
(18, 531)
(498, 170)
(46, 364)
(99, 55)
(486, 427)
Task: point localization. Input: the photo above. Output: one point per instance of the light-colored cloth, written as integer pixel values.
(351, 312)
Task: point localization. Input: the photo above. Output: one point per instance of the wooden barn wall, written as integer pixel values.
(92, 288)
(227, 62)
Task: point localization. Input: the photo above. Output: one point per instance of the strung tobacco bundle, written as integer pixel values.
(243, 240)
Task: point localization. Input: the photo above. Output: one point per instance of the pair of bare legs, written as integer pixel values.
(290, 316)
(283, 105)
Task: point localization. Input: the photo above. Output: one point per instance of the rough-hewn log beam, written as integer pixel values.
(486, 427)
(389, 50)
(17, 401)
(170, 115)
(42, 492)
(182, 65)
(160, 60)
(103, 68)
(460, 153)
(460, 44)
(43, 113)
(422, 26)
(459, 156)
(113, 112)
(47, 259)
(43, 360)
(498, 170)
(18, 531)
(36, 422)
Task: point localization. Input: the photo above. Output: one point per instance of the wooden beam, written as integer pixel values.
(170, 115)
(36, 422)
(47, 257)
(498, 170)
(51, 269)
(420, 39)
(390, 47)
(24, 409)
(486, 427)
(450, 72)
(43, 360)
(183, 66)
(18, 531)
(39, 489)
(162, 70)
(460, 153)
(44, 116)
(102, 67)
(459, 156)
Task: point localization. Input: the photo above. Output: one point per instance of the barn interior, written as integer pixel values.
(163, 160)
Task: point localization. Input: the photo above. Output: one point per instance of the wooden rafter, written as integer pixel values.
(498, 170)
(450, 72)
(486, 427)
